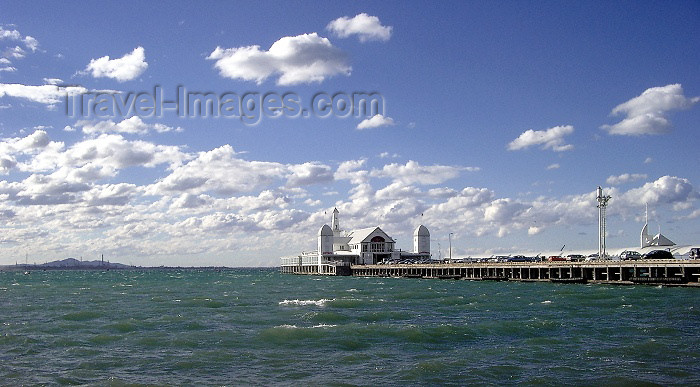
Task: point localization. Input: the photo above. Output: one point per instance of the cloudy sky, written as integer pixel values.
(497, 123)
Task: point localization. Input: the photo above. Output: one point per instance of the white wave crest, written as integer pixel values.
(320, 302)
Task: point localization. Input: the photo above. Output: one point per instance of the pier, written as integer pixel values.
(653, 272)
(371, 252)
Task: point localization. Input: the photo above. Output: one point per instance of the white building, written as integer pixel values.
(366, 246)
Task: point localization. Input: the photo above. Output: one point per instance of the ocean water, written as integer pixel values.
(259, 327)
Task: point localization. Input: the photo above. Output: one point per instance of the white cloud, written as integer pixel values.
(189, 201)
(9, 34)
(221, 172)
(375, 122)
(216, 202)
(98, 157)
(110, 195)
(309, 173)
(665, 190)
(114, 150)
(366, 28)
(350, 170)
(533, 230)
(414, 173)
(53, 81)
(625, 178)
(647, 113)
(397, 190)
(132, 125)
(123, 69)
(298, 59)
(31, 43)
(15, 52)
(11, 148)
(648, 160)
(46, 94)
(552, 138)
(553, 166)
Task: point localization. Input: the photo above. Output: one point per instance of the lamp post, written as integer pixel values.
(450, 237)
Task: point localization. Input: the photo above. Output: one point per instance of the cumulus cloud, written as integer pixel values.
(53, 81)
(665, 190)
(648, 112)
(132, 125)
(309, 173)
(99, 157)
(46, 94)
(215, 197)
(534, 230)
(366, 28)
(385, 155)
(14, 51)
(298, 59)
(221, 172)
(350, 170)
(375, 122)
(11, 148)
(9, 34)
(625, 178)
(123, 69)
(115, 150)
(552, 138)
(414, 173)
(31, 43)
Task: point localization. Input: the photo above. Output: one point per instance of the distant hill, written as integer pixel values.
(69, 263)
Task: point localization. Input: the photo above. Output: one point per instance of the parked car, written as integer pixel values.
(694, 253)
(629, 255)
(592, 257)
(554, 258)
(658, 254)
(519, 258)
(575, 257)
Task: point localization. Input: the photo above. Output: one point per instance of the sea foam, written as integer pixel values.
(320, 302)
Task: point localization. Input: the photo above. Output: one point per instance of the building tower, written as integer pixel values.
(602, 205)
(421, 240)
(335, 223)
(325, 243)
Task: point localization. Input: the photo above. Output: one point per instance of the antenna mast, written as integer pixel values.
(602, 205)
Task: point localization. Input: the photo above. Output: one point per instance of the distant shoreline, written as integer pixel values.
(34, 268)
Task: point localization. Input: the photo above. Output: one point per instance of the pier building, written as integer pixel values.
(337, 250)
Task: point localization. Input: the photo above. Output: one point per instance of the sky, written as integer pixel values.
(224, 133)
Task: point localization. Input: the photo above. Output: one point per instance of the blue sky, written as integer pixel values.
(499, 121)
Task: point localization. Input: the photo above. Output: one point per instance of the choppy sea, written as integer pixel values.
(260, 327)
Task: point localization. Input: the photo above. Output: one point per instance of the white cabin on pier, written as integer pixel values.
(366, 246)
